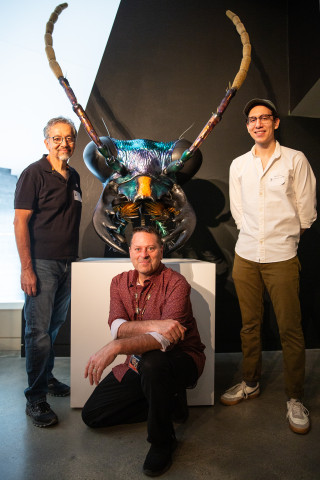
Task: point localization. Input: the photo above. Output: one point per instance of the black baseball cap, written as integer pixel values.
(260, 101)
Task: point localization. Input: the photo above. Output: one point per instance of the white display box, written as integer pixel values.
(90, 297)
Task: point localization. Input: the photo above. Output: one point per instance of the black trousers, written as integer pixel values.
(148, 395)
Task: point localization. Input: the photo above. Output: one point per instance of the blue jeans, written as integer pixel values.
(44, 315)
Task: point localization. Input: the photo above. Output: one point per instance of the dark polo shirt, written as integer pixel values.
(56, 204)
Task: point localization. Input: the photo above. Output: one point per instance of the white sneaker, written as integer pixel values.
(239, 392)
(298, 416)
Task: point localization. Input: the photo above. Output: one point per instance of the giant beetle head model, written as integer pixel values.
(142, 178)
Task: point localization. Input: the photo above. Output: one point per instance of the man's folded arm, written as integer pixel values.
(171, 330)
(157, 336)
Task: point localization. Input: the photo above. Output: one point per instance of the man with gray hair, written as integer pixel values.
(46, 224)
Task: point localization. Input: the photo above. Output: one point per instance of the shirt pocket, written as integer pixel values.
(281, 182)
(277, 181)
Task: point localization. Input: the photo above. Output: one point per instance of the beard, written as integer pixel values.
(64, 156)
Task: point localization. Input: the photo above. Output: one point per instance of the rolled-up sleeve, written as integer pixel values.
(235, 195)
(305, 191)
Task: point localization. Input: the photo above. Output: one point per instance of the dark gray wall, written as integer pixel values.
(166, 66)
(303, 48)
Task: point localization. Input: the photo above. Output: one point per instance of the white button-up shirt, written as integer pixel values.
(271, 206)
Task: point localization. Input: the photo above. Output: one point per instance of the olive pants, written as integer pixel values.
(281, 279)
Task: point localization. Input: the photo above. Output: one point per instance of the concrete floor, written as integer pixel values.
(250, 441)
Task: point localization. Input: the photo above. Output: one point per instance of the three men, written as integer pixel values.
(47, 217)
(273, 200)
(151, 321)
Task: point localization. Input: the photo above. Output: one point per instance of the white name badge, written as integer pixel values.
(77, 196)
(277, 180)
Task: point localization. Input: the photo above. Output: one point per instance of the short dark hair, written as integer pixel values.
(55, 120)
(146, 229)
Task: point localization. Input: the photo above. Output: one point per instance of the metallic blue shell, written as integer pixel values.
(144, 157)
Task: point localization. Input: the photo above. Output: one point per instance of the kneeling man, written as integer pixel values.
(151, 321)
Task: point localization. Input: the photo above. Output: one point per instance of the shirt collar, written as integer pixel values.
(46, 165)
(153, 277)
(276, 153)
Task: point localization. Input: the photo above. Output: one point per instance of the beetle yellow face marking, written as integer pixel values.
(127, 210)
(144, 187)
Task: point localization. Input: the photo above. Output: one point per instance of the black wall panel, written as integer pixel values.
(303, 47)
(166, 66)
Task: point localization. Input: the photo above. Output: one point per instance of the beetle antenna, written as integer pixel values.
(181, 136)
(104, 123)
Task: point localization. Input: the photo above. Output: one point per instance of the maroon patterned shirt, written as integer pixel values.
(169, 297)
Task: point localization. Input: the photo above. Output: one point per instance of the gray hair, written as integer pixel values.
(55, 120)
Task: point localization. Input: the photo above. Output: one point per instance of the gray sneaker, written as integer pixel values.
(297, 415)
(239, 392)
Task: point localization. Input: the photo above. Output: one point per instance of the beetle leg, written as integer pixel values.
(107, 224)
(185, 221)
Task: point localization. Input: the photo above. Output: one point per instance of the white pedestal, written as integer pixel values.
(90, 297)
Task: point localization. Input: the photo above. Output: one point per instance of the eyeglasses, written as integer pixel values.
(58, 140)
(263, 119)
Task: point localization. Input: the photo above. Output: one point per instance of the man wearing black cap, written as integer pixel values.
(273, 200)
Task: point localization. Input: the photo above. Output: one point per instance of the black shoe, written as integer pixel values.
(41, 414)
(159, 459)
(58, 389)
(180, 409)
